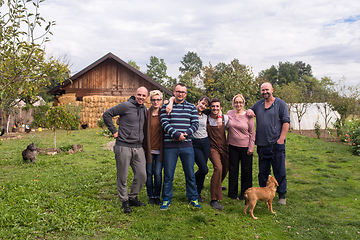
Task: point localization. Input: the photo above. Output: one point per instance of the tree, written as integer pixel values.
(192, 64)
(325, 111)
(269, 75)
(344, 99)
(56, 70)
(133, 64)
(63, 116)
(235, 78)
(156, 69)
(22, 60)
(322, 95)
(193, 92)
(296, 98)
(285, 73)
(209, 77)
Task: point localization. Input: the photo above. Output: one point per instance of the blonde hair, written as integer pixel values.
(238, 96)
(155, 92)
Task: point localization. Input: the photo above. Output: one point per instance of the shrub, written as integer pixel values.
(353, 135)
(100, 122)
(39, 115)
(317, 127)
(104, 130)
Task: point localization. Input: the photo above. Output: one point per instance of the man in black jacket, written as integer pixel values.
(128, 148)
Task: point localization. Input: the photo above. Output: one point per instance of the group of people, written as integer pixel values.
(151, 141)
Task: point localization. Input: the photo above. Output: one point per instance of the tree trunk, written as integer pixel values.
(7, 125)
(55, 138)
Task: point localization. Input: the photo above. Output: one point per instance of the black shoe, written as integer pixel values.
(242, 197)
(136, 202)
(223, 188)
(217, 205)
(200, 199)
(152, 201)
(126, 207)
(158, 201)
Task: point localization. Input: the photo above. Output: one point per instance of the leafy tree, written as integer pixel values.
(56, 70)
(285, 73)
(344, 99)
(63, 116)
(269, 75)
(235, 78)
(304, 69)
(322, 95)
(193, 92)
(296, 98)
(325, 110)
(156, 69)
(192, 64)
(133, 64)
(22, 60)
(209, 78)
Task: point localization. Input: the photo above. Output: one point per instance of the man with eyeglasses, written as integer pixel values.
(128, 147)
(178, 126)
(272, 125)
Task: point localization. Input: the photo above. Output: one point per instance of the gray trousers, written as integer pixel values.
(125, 157)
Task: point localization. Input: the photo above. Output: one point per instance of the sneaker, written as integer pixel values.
(195, 204)
(223, 188)
(157, 201)
(282, 201)
(152, 201)
(126, 207)
(200, 198)
(136, 202)
(165, 204)
(217, 205)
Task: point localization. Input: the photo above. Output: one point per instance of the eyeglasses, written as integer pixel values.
(238, 102)
(156, 100)
(180, 92)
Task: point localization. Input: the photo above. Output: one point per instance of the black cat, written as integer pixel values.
(30, 153)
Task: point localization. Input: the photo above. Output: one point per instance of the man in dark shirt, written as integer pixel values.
(128, 148)
(272, 125)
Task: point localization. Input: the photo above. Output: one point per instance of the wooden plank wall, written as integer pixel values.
(110, 79)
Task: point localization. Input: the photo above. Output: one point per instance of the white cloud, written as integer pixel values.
(322, 33)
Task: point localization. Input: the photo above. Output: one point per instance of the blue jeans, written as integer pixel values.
(153, 185)
(274, 156)
(201, 150)
(187, 159)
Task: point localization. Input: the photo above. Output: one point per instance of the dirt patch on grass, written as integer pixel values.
(109, 145)
(10, 136)
(311, 133)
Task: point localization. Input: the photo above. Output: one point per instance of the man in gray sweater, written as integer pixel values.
(128, 148)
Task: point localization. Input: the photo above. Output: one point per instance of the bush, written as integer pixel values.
(75, 111)
(317, 127)
(353, 135)
(104, 130)
(39, 115)
(100, 122)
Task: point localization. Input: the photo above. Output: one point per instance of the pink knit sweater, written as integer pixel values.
(241, 130)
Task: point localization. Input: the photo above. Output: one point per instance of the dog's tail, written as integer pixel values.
(246, 199)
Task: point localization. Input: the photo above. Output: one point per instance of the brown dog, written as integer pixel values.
(265, 194)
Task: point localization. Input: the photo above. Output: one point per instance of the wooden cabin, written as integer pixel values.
(108, 76)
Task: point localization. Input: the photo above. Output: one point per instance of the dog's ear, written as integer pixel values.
(276, 183)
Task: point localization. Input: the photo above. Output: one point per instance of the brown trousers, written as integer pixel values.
(220, 161)
(219, 156)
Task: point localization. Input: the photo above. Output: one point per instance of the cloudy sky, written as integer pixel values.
(260, 33)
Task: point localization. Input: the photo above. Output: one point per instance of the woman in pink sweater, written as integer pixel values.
(241, 139)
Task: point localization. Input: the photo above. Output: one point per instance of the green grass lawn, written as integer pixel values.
(67, 196)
